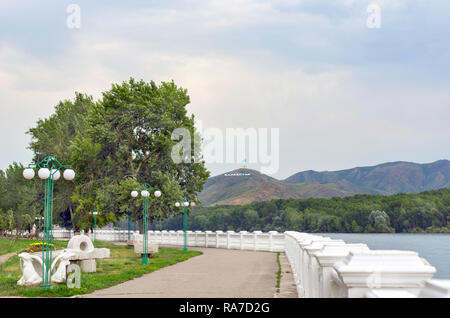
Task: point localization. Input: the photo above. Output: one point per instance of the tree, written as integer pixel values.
(379, 220)
(251, 219)
(54, 136)
(10, 222)
(355, 227)
(128, 141)
(348, 214)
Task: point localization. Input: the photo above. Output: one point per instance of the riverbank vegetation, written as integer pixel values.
(401, 213)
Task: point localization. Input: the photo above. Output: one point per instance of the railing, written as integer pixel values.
(256, 241)
(329, 268)
(322, 267)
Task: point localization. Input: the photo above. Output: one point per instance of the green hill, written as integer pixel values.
(386, 178)
(243, 186)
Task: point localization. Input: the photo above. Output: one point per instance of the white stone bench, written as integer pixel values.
(80, 251)
(85, 253)
(138, 242)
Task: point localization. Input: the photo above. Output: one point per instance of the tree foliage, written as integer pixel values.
(427, 211)
(129, 142)
(115, 145)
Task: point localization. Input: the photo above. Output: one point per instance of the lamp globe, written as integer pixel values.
(28, 173)
(44, 173)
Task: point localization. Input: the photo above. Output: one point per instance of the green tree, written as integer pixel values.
(379, 221)
(251, 219)
(10, 222)
(54, 136)
(355, 227)
(128, 142)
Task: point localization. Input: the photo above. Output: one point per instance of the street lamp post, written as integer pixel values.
(185, 203)
(129, 229)
(95, 213)
(145, 193)
(49, 170)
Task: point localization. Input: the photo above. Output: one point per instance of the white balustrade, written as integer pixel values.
(234, 240)
(326, 257)
(436, 288)
(211, 239)
(190, 238)
(304, 260)
(311, 283)
(222, 239)
(321, 267)
(359, 272)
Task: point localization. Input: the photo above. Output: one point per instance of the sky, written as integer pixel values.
(342, 94)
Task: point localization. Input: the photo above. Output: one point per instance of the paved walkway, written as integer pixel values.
(5, 257)
(217, 273)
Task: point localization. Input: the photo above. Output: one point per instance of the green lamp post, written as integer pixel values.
(49, 170)
(129, 229)
(145, 193)
(95, 213)
(185, 203)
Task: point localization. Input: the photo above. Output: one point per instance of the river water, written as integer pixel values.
(435, 248)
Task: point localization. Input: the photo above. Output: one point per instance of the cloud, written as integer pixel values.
(341, 94)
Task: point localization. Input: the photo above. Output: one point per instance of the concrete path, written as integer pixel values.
(5, 257)
(219, 273)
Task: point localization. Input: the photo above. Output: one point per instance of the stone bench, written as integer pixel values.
(138, 242)
(85, 253)
(80, 251)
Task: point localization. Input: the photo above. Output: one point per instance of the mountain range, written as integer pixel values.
(244, 186)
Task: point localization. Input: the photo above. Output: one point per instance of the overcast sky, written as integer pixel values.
(342, 94)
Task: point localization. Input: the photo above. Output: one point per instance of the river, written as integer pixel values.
(435, 248)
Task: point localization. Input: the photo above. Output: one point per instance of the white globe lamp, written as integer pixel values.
(44, 173)
(192, 203)
(56, 174)
(157, 193)
(186, 203)
(145, 193)
(69, 174)
(177, 204)
(134, 194)
(28, 173)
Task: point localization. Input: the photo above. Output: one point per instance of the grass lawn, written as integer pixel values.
(123, 265)
(9, 245)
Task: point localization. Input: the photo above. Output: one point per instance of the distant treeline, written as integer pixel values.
(423, 212)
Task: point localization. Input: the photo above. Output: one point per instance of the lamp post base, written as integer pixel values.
(47, 287)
